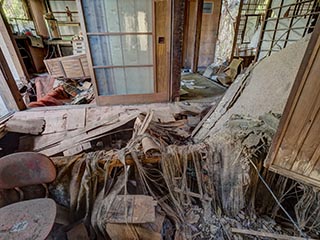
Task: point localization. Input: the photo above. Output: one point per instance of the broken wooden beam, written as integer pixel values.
(27, 126)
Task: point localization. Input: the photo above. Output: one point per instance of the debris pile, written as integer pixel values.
(68, 82)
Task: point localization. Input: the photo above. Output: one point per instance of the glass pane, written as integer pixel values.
(251, 27)
(121, 50)
(120, 81)
(3, 108)
(120, 16)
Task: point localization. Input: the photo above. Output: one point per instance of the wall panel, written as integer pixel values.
(295, 152)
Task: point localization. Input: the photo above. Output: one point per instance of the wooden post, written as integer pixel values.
(185, 32)
(8, 87)
(263, 28)
(197, 36)
(236, 30)
(178, 14)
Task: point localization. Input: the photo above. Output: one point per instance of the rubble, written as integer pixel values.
(262, 88)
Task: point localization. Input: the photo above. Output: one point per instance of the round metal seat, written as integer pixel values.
(32, 219)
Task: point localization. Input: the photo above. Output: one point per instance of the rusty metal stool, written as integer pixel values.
(32, 219)
(25, 169)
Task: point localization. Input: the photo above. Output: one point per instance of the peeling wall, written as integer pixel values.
(229, 12)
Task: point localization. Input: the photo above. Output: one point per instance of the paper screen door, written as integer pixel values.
(121, 35)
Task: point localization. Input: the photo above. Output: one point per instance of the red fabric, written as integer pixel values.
(44, 85)
(55, 97)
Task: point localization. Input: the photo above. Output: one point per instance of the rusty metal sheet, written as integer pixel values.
(24, 169)
(31, 219)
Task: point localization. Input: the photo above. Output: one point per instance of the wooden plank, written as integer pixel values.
(132, 99)
(266, 234)
(76, 118)
(82, 137)
(34, 126)
(290, 174)
(132, 209)
(55, 121)
(295, 148)
(95, 118)
(309, 141)
(77, 149)
(43, 141)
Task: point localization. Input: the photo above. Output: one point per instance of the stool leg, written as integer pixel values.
(21, 195)
(46, 188)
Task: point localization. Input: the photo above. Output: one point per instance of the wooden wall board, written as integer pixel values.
(295, 151)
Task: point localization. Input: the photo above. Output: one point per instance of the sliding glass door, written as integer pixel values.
(121, 39)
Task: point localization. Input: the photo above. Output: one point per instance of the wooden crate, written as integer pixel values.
(74, 66)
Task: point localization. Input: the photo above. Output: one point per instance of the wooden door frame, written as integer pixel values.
(131, 98)
(9, 90)
(197, 33)
(195, 36)
(13, 48)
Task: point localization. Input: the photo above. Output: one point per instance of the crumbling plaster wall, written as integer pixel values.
(229, 12)
(266, 89)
